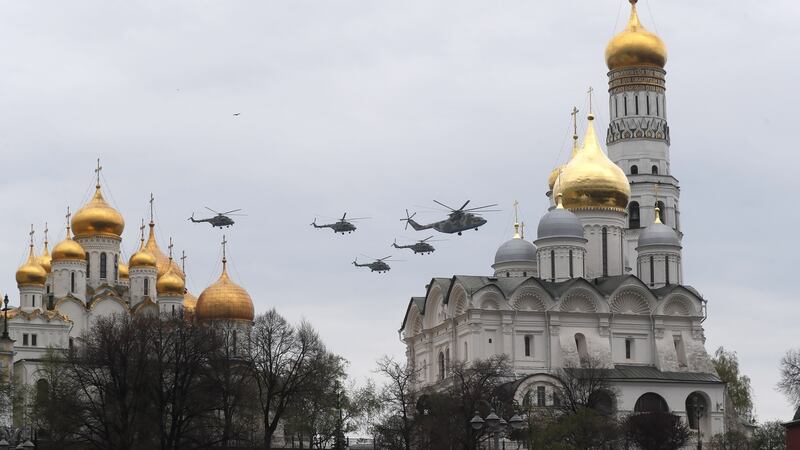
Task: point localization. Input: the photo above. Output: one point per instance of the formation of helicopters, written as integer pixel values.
(457, 221)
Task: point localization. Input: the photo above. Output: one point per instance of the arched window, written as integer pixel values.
(33, 300)
(71, 342)
(605, 251)
(634, 169)
(651, 402)
(666, 269)
(634, 219)
(583, 351)
(662, 211)
(552, 265)
(652, 271)
(571, 271)
(116, 267)
(625, 104)
(42, 391)
(447, 360)
(88, 265)
(146, 286)
(103, 268)
(654, 170)
(647, 104)
(72, 282)
(636, 102)
(696, 405)
(441, 365)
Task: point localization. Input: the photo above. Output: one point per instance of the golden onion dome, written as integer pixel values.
(30, 273)
(142, 258)
(590, 179)
(163, 262)
(224, 300)
(635, 46)
(68, 249)
(45, 259)
(98, 218)
(170, 284)
(124, 271)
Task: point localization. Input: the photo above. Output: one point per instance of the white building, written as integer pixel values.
(85, 278)
(603, 279)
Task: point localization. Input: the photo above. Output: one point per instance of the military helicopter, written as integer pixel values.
(220, 220)
(459, 219)
(341, 226)
(420, 247)
(379, 265)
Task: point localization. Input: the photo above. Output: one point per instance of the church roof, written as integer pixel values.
(623, 372)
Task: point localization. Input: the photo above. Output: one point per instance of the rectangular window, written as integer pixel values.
(605, 251)
(33, 340)
(636, 102)
(666, 269)
(680, 351)
(25, 339)
(571, 272)
(647, 99)
(628, 348)
(540, 396)
(528, 340)
(652, 272)
(552, 265)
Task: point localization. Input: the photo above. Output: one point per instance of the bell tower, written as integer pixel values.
(638, 137)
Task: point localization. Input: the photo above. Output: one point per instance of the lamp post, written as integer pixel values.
(698, 406)
(496, 425)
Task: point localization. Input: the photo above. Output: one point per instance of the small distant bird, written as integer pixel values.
(236, 114)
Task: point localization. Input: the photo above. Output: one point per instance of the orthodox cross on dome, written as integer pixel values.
(522, 230)
(45, 234)
(574, 115)
(141, 230)
(5, 320)
(224, 244)
(170, 248)
(69, 214)
(183, 261)
(31, 234)
(152, 199)
(591, 90)
(97, 172)
(517, 234)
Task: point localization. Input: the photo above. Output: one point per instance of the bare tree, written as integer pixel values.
(790, 376)
(584, 386)
(656, 431)
(283, 359)
(399, 399)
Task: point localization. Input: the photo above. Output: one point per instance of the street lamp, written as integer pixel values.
(496, 425)
(699, 406)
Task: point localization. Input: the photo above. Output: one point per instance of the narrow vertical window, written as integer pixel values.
(634, 170)
(88, 265)
(658, 108)
(116, 267)
(446, 360)
(636, 103)
(146, 286)
(605, 251)
(24, 338)
(616, 106)
(662, 212)
(72, 282)
(33, 340)
(541, 398)
(553, 265)
(634, 218)
(666, 269)
(647, 99)
(528, 345)
(571, 271)
(628, 348)
(71, 342)
(441, 365)
(103, 268)
(625, 104)
(652, 272)
(680, 351)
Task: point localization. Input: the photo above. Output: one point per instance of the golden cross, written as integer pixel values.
(69, 214)
(224, 244)
(170, 247)
(97, 171)
(574, 115)
(591, 89)
(516, 211)
(151, 207)
(522, 230)
(183, 261)
(31, 234)
(45, 233)
(141, 229)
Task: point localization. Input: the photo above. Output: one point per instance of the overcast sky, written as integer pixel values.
(371, 107)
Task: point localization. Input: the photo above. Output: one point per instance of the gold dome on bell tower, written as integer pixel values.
(224, 300)
(635, 46)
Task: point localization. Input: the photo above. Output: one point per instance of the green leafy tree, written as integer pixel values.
(739, 391)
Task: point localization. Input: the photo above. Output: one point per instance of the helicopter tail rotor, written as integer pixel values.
(408, 219)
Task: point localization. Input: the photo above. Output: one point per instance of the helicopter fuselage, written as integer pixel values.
(456, 223)
(216, 221)
(419, 247)
(377, 266)
(338, 227)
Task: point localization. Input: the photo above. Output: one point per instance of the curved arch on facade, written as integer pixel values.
(529, 384)
(414, 323)
(433, 304)
(458, 300)
(634, 217)
(581, 299)
(632, 299)
(533, 290)
(651, 402)
(490, 297)
(703, 404)
(678, 304)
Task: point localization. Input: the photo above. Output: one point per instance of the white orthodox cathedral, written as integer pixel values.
(602, 281)
(85, 277)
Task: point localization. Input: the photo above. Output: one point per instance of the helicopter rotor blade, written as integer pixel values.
(215, 212)
(480, 207)
(426, 239)
(385, 258)
(358, 218)
(464, 205)
(232, 211)
(343, 216)
(440, 203)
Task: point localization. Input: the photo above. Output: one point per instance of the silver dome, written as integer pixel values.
(560, 222)
(659, 234)
(515, 250)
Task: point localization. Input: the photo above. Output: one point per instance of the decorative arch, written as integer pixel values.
(697, 402)
(489, 297)
(678, 305)
(528, 300)
(432, 306)
(651, 402)
(630, 301)
(579, 300)
(458, 300)
(529, 384)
